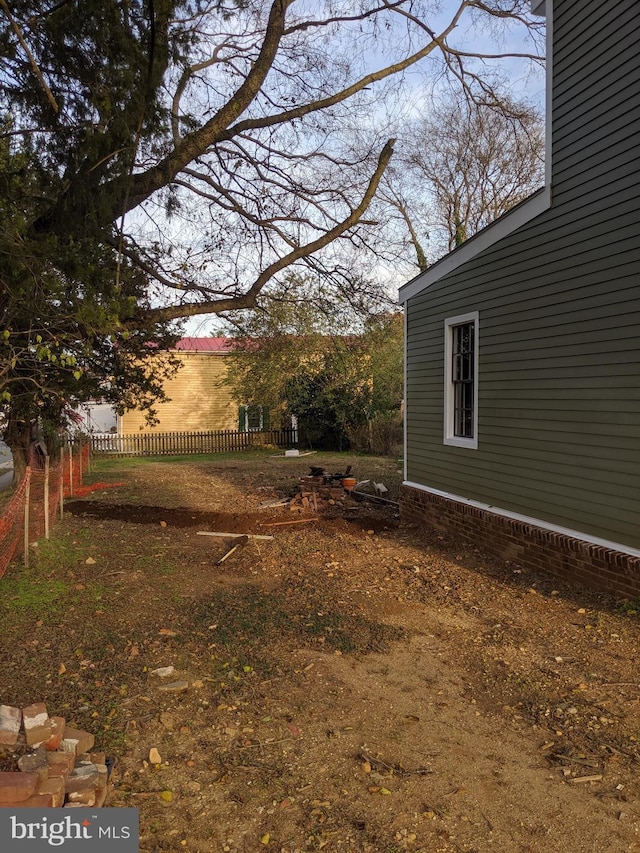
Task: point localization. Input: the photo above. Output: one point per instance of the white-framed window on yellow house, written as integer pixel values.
(461, 380)
(253, 418)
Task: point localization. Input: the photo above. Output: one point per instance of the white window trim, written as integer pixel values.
(247, 428)
(449, 438)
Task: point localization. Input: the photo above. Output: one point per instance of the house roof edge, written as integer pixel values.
(215, 345)
(515, 218)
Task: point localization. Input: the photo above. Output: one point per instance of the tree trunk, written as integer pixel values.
(18, 439)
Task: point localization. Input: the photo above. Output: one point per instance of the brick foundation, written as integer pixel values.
(532, 547)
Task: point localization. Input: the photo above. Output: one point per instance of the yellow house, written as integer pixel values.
(199, 399)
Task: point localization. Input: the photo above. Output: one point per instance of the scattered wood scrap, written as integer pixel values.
(231, 535)
(240, 542)
(298, 456)
(363, 496)
(578, 780)
(573, 759)
(291, 521)
(382, 767)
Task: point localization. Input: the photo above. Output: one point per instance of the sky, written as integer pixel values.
(525, 81)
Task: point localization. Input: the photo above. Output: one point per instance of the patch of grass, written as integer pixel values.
(45, 587)
(105, 464)
(29, 589)
(251, 618)
(630, 608)
(349, 633)
(242, 616)
(150, 565)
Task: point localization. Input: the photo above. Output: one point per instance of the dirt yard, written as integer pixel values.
(353, 684)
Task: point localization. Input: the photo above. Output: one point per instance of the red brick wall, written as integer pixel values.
(533, 547)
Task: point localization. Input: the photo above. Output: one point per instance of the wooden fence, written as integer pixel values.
(188, 443)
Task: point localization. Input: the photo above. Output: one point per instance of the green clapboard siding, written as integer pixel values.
(559, 308)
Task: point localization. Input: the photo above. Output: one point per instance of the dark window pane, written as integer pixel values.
(463, 378)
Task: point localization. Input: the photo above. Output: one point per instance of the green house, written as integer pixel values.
(523, 345)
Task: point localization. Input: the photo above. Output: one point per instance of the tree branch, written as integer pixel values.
(30, 56)
(144, 184)
(248, 299)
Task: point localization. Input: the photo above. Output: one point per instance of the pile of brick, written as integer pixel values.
(318, 491)
(50, 763)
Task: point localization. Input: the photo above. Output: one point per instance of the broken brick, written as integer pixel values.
(58, 725)
(59, 771)
(102, 787)
(35, 762)
(82, 778)
(10, 720)
(84, 798)
(16, 786)
(37, 725)
(77, 741)
(60, 763)
(55, 788)
(38, 801)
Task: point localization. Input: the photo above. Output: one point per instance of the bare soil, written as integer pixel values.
(354, 684)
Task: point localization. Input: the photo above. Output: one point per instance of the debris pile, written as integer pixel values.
(320, 490)
(46, 763)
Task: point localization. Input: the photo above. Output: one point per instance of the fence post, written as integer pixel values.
(27, 497)
(46, 496)
(70, 469)
(61, 479)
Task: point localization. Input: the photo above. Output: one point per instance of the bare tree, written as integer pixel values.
(476, 161)
(231, 117)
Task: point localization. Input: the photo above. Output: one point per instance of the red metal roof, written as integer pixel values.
(204, 345)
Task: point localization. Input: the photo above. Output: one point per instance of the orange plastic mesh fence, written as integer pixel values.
(40, 479)
(12, 523)
(75, 463)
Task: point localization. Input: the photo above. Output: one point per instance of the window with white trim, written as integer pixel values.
(461, 380)
(253, 418)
